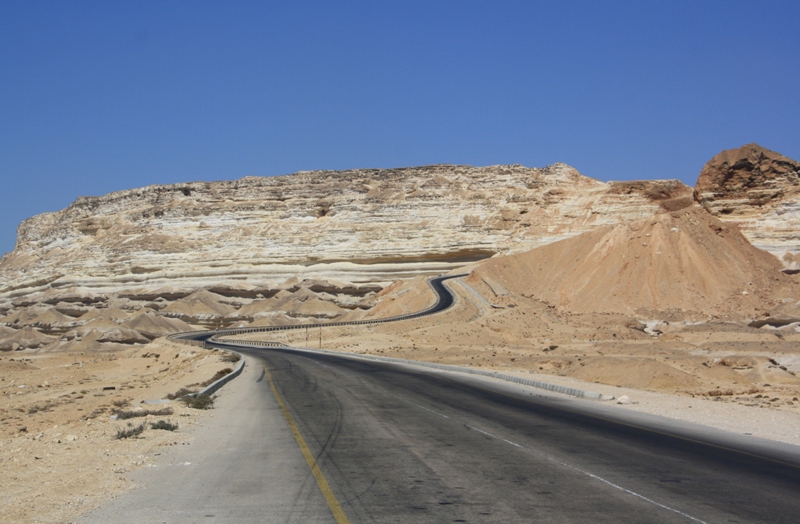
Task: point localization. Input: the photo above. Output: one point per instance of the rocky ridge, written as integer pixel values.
(254, 233)
(122, 269)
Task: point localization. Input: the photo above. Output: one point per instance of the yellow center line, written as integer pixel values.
(327, 492)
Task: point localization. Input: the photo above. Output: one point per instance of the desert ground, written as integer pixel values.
(724, 364)
(670, 300)
(61, 456)
(59, 451)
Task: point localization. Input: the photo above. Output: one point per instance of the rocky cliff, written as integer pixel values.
(760, 190)
(365, 226)
(131, 265)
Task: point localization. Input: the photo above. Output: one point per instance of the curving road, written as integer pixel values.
(305, 436)
(444, 299)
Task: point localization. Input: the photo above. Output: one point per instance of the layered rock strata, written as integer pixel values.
(129, 266)
(760, 190)
(360, 226)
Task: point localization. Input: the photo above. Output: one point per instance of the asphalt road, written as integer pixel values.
(444, 299)
(314, 437)
(396, 444)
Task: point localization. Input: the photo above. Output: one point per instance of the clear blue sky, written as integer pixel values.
(101, 96)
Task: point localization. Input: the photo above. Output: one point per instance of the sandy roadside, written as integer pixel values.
(59, 456)
(779, 424)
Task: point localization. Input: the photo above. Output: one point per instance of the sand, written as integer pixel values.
(685, 263)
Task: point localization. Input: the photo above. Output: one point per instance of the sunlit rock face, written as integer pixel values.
(359, 226)
(760, 190)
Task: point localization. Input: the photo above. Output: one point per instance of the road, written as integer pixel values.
(315, 437)
(398, 444)
(395, 444)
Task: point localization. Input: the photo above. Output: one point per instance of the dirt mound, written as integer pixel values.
(48, 320)
(684, 260)
(153, 326)
(318, 308)
(25, 338)
(275, 319)
(290, 302)
(111, 313)
(200, 304)
(106, 330)
(98, 324)
(23, 317)
(402, 297)
(53, 317)
(258, 308)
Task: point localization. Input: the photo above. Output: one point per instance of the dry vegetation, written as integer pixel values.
(74, 423)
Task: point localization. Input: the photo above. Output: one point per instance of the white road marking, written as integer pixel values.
(559, 462)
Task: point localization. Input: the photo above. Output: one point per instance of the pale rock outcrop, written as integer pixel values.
(133, 265)
(360, 226)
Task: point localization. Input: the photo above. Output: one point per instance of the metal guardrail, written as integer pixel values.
(212, 388)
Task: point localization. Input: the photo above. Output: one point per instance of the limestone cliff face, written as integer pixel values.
(371, 225)
(760, 190)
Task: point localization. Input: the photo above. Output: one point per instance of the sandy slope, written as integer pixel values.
(685, 262)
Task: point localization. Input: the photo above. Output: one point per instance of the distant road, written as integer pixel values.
(444, 299)
(314, 437)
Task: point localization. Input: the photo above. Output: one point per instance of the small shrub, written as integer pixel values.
(130, 431)
(163, 424)
(230, 357)
(720, 393)
(122, 415)
(180, 393)
(121, 402)
(218, 375)
(96, 413)
(198, 402)
(46, 406)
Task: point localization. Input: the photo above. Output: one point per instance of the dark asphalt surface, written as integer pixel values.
(398, 443)
(401, 445)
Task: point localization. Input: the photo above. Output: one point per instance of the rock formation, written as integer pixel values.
(132, 265)
(250, 235)
(760, 190)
